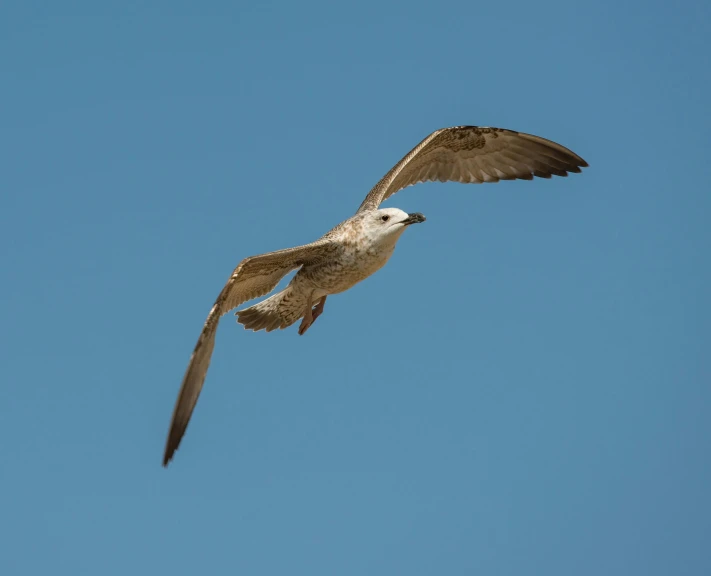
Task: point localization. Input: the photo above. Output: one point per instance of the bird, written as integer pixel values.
(361, 245)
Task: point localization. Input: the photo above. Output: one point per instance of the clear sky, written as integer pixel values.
(523, 390)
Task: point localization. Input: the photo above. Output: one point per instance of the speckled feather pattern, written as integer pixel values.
(348, 253)
(473, 155)
(356, 259)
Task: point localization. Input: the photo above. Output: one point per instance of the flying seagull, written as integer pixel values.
(361, 245)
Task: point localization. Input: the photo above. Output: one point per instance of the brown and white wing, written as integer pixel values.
(474, 154)
(254, 276)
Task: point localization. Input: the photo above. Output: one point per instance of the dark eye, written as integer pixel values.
(385, 218)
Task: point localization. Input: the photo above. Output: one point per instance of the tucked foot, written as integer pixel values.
(311, 314)
(318, 309)
(308, 318)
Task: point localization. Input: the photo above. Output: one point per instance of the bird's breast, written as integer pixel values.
(349, 268)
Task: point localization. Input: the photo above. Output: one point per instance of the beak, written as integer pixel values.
(414, 218)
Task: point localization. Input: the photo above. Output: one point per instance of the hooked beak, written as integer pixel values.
(414, 218)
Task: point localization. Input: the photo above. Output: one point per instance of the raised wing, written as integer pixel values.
(255, 276)
(474, 154)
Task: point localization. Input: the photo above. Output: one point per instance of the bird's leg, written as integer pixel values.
(318, 309)
(311, 313)
(308, 317)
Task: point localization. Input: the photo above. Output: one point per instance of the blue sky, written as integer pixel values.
(524, 389)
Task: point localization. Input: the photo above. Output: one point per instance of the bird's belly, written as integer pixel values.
(344, 273)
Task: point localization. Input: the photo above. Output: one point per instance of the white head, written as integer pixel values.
(387, 224)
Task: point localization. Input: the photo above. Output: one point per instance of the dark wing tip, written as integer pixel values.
(170, 449)
(173, 442)
(576, 164)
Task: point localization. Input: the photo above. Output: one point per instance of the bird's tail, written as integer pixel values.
(278, 311)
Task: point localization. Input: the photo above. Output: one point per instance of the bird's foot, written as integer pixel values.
(308, 318)
(318, 309)
(305, 323)
(311, 315)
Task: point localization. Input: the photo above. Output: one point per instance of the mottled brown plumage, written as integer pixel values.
(473, 155)
(361, 245)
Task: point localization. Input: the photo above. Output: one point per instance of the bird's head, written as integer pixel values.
(389, 223)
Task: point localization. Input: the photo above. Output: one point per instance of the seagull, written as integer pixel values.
(361, 245)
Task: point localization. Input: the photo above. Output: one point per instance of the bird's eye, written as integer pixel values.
(385, 218)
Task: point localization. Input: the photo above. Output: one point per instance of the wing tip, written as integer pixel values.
(175, 437)
(170, 448)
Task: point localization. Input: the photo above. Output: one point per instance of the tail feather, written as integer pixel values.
(278, 311)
